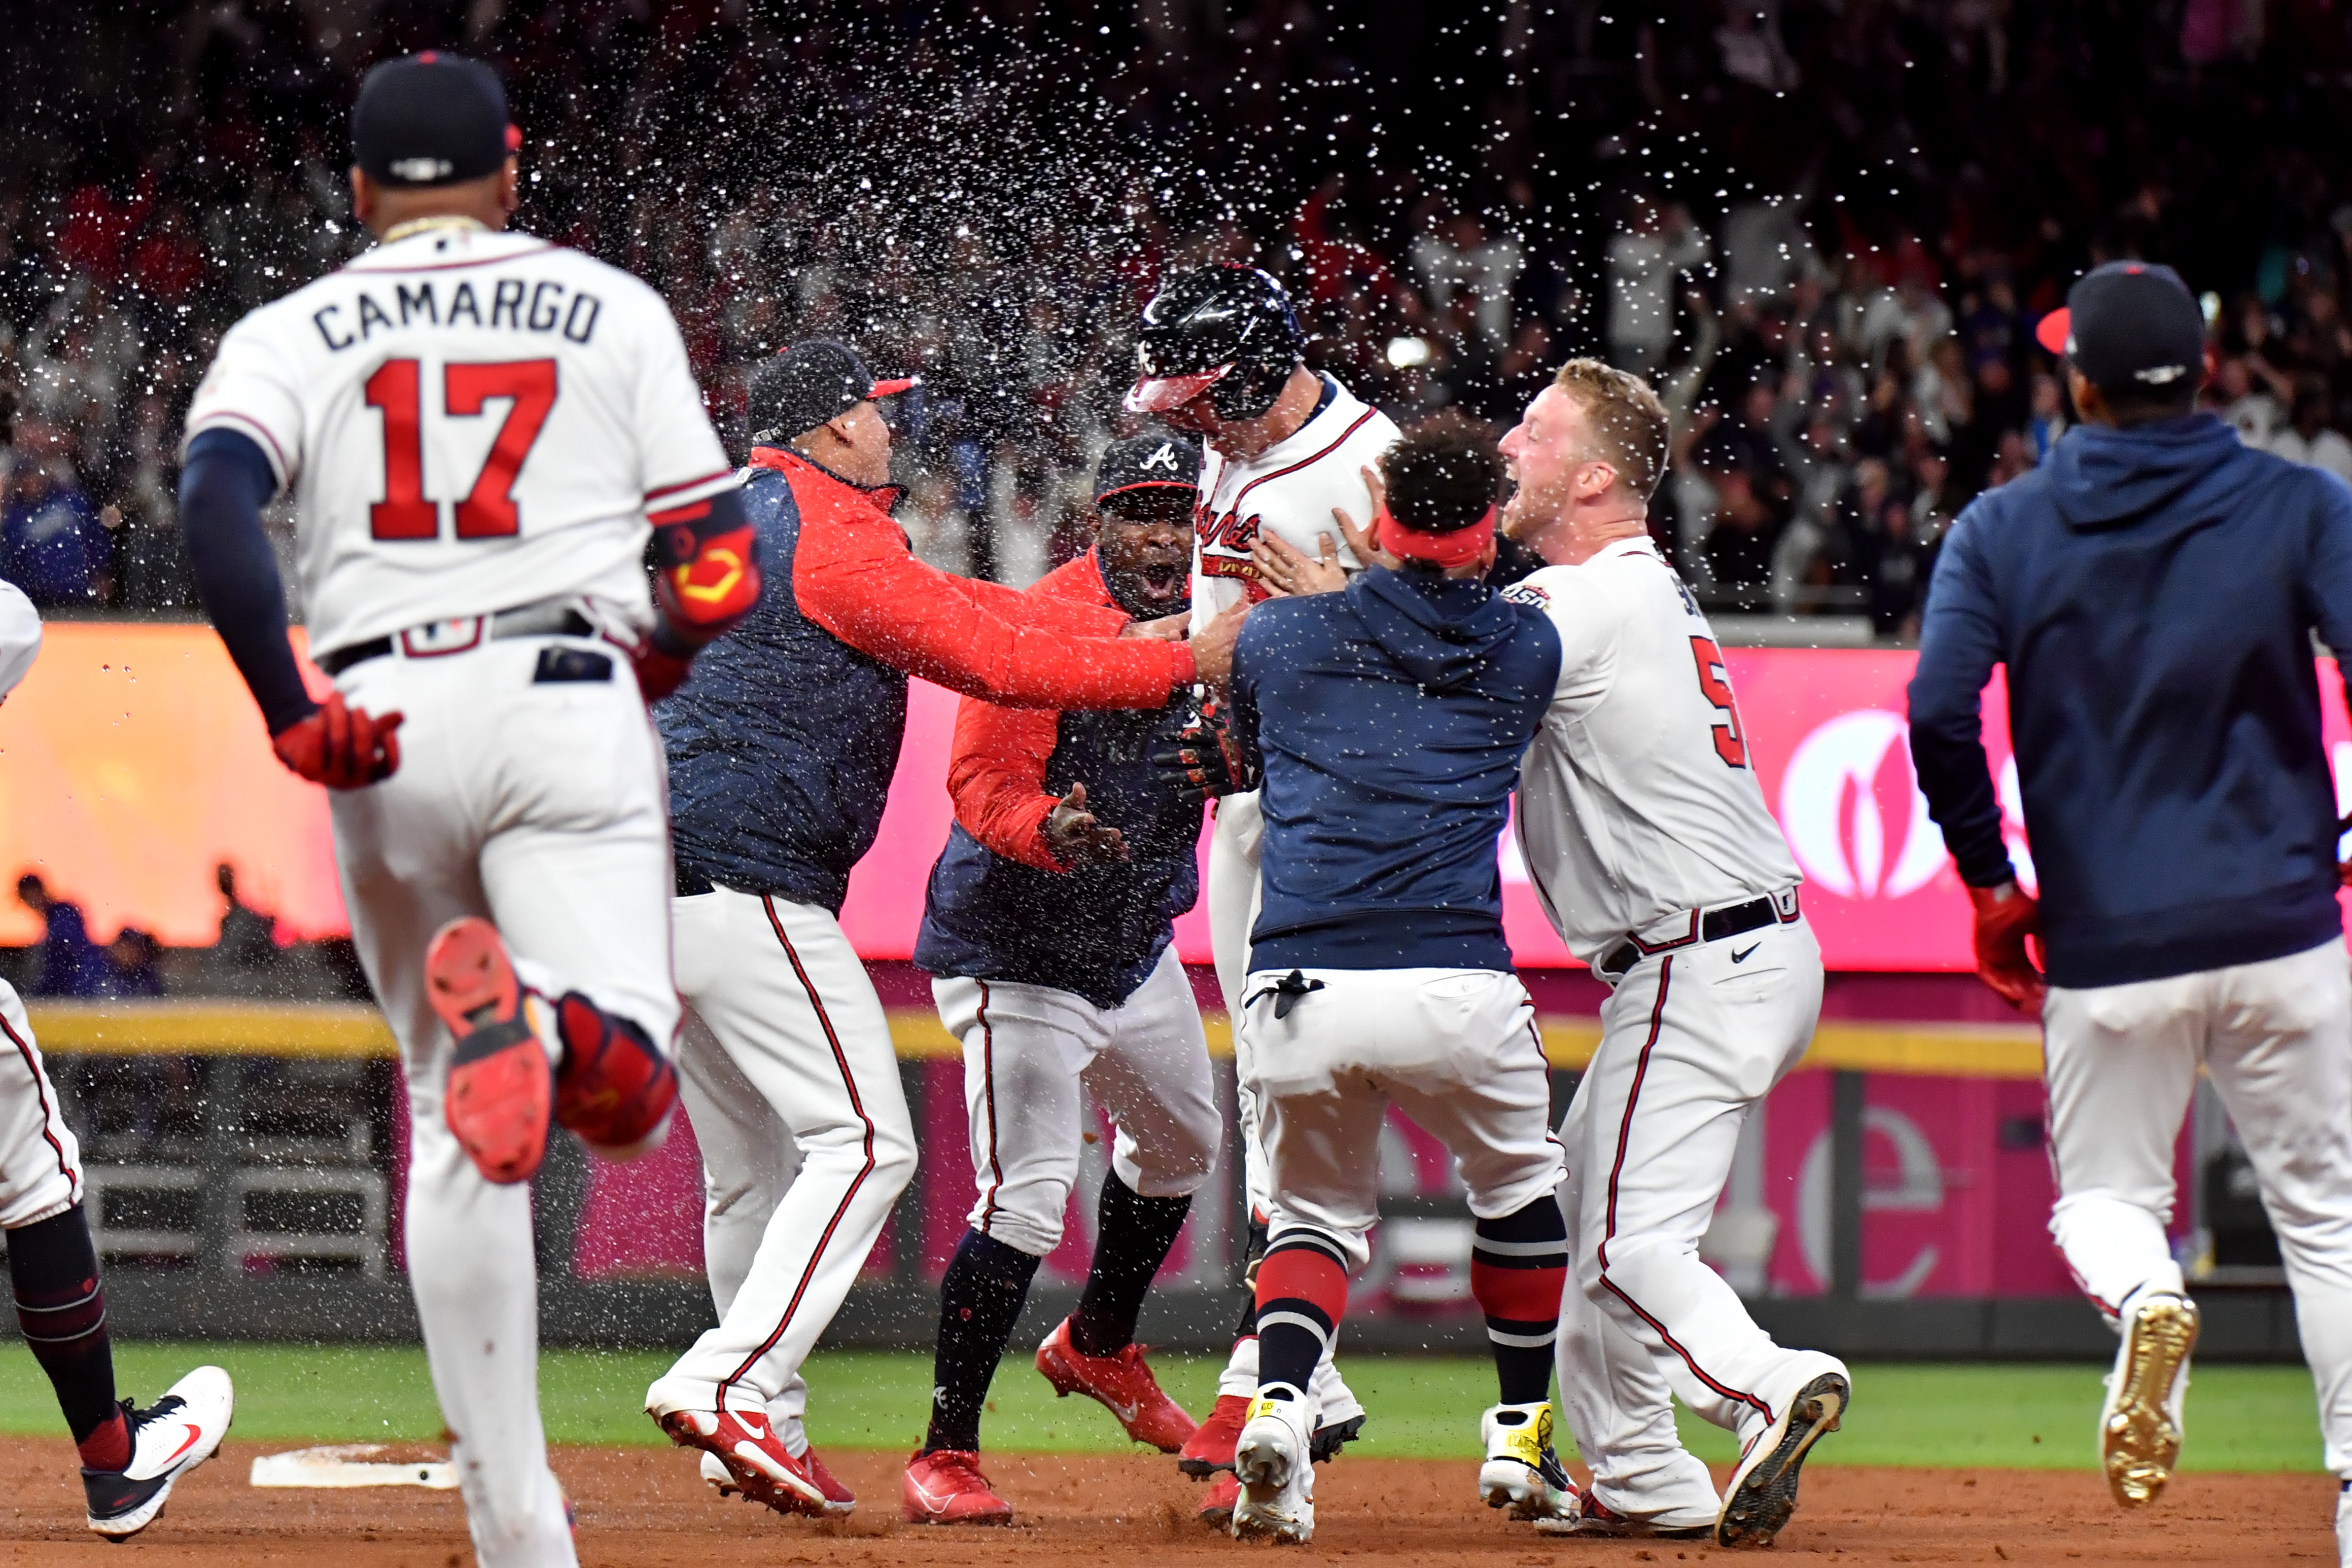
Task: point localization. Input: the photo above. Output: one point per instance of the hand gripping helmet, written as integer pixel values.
(1224, 329)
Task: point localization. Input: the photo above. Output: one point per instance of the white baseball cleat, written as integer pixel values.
(1521, 1473)
(1271, 1461)
(2141, 1422)
(1762, 1494)
(168, 1439)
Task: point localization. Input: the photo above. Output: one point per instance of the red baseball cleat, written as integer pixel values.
(1210, 1448)
(748, 1443)
(838, 1498)
(1121, 1383)
(1217, 1504)
(499, 1094)
(945, 1486)
(614, 1088)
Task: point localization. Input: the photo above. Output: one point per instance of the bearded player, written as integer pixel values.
(1048, 930)
(1219, 354)
(1650, 845)
(477, 428)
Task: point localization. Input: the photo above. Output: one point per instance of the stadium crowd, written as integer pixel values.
(1825, 228)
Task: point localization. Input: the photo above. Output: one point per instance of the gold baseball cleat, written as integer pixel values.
(2139, 1428)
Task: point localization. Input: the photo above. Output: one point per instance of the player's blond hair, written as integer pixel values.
(1630, 427)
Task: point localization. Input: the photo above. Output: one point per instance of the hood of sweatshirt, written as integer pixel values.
(1438, 629)
(2182, 470)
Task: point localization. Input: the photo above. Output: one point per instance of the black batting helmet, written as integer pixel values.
(1224, 329)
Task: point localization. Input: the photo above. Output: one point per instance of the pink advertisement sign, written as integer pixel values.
(1826, 732)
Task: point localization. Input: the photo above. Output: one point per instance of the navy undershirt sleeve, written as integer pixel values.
(224, 484)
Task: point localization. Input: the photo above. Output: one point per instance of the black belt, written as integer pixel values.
(1712, 927)
(525, 621)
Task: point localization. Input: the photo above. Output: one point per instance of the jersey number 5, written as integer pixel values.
(1717, 691)
(488, 510)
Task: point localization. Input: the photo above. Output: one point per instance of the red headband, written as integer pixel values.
(1456, 548)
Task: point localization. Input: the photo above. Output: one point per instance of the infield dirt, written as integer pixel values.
(645, 1508)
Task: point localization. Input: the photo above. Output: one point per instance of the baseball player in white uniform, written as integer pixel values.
(1283, 448)
(477, 428)
(131, 1458)
(1648, 839)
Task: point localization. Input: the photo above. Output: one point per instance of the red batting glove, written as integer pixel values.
(340, 746)
(2006, 916)
(659, 673)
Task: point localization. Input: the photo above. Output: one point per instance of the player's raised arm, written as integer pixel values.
(854, 575)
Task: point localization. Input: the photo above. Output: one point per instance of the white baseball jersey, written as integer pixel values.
(1287, 490)
(468, 420)
(1637, 800)
(20, 636)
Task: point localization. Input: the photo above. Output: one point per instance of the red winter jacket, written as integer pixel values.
(854, 575)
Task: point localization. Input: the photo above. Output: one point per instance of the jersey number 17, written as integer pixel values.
(488, 510)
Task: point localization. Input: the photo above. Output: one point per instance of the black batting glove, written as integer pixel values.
(1205, 763)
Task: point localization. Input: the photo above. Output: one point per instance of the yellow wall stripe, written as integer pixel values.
(216, 1027)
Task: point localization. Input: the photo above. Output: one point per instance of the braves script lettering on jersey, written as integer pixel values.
(472, 422)
(1641, 819)
(467, 421)
(1287, 490)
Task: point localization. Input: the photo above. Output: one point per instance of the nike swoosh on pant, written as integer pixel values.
(1742, 958)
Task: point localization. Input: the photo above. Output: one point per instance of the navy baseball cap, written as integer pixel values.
(1158, 461)
(431, 119)
(2129, 326)
(808, 384)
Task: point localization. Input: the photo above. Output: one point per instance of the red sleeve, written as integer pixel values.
(996, 767)
(996, 774)
(854, 576)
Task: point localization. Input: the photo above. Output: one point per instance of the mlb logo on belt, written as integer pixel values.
(436, 638)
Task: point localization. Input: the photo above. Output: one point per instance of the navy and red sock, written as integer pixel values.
(1302, 1293)
(61, 1307)
(1518, 1266)
(1133, 1235)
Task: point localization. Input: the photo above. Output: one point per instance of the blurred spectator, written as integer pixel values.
(248, 940)
(2307, 439)
(129, 969)
(1659, 244)
(51, 544)
(69, 964)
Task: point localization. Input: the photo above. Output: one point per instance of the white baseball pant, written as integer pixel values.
(2276, 1039)
(542, 807)
(786, 1059)
(1028, 1051)
(1456, 1050)
(1232, 891)
(41, 1163)
(1690, 1041)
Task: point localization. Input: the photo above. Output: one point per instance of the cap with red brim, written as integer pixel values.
(2053, 330)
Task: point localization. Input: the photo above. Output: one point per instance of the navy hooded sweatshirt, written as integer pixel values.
(1389, 719)
(2153, 593)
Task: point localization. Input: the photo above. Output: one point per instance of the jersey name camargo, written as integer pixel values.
(1638, 799)
(469, 421)
(1287, 490)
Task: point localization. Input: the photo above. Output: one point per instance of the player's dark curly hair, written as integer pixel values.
(1443, 474)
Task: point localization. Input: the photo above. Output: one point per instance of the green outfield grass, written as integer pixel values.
(2032, 1417)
